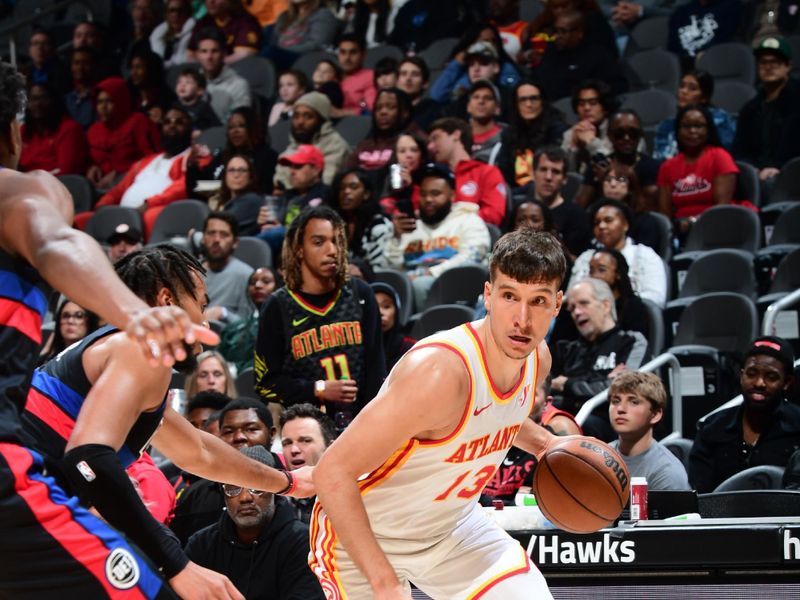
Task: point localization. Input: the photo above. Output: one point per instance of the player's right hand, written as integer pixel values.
(198, 583)
(305, 485)
(340, 390)
(161, 332)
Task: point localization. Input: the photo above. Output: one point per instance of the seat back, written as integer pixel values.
(81, 191)
(787, 276)
(253, 251)
(787, 227)
(680, 447)
(762, 477)
(731, 61)
(748, 186)
(725, 321)
(259, 73)
(656, 69)
(565, 106)
(402, 285)
(245, 383)
(354, 129)
(721, 270)
(308, 62)
(731, 96)
(214, 137)
(437, 55)
(787, 183)
(459, 285)
(439, 318)
(648, 33)
(652, 106)
(380, 52)
(102, 223)
(279, 135)
(664, 224)
(177, 219)
(655, 327)
(726, 226)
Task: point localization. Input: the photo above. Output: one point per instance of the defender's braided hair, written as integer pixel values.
(164, 265)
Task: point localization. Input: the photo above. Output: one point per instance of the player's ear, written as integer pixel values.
(559, 302)
(487, 292)
(165, 298)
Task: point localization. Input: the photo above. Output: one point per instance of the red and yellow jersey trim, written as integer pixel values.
(389, 467)
(497, 395)
(324, 567)
(524, 567)
(320, 312)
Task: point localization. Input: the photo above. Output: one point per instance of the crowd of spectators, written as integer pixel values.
(522, 123)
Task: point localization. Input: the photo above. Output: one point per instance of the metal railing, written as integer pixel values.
(768, 325)
(677, 398)
(12, 28)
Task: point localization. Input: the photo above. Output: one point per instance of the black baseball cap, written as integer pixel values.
(775, 347)
(438, 170)
(124, 231)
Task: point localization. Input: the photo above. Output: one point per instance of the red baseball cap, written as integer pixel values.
(306, 154)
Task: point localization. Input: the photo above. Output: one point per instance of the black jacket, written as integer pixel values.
(274, 567)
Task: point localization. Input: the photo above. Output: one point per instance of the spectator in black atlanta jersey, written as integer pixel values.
(319, 339)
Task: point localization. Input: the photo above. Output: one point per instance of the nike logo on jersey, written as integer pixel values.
(296, 322)
(478, 411)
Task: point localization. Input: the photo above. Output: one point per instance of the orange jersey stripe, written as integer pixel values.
(390, 466)
(313, 309)
(524, 568)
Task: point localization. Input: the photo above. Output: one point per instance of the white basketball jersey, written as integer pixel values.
(428, 486)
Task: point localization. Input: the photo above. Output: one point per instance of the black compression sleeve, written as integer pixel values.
(95, 474)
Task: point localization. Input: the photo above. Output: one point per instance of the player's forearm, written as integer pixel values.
(533, 438)
(339, 494)
(84, 274)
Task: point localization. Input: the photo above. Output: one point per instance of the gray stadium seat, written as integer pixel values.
(722, 320)
(177, 219)
(245, 383)
(354, 129)
(81, 191)
(731, 96)
(647, 34)
(652, 106)
(441, 317)
(762, 477)
(664, 225)
(748, 186)
(380, 52)
(656, 69)
(253, 251)
(215, 138)
(279, 135)
(726, 226)
(259, 73)
(680, 447)
(565, 106)
(459, 285)
(731, 61)
(102, 223)
(309, 61)
(787, 183)
(437, 55)
(402, 285)
(655, 330)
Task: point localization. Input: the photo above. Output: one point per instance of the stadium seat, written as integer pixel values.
(652, 106)
(438, 318)
(664, 224)
(731, 61)
(787, 183)
(309, 61)
(279, 135)
(245, 383)
(253, 251)
(103, 222)
(655, 327)
(354, 129)
(784, 238)
(402, 285)
(530, 9)
(647, 34)
(459, 285)
(713, 334)
(785, 281)
(81, 191)
(749, 503)
(259, 73)
(216, 138)
(655, 69)
(437, 55)
(680, 447)
(177, 219)
(762, 477)
(565, 106)
(379, 52)
(494, 234)
(748, 186)
(731, 96)
(572, 183)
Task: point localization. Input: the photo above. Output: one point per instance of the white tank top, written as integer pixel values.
(426, 487)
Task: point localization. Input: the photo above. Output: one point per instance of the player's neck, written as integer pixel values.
(635, 445)
(316, 285)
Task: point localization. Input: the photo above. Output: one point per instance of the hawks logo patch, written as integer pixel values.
(122, 570)
(469, 188)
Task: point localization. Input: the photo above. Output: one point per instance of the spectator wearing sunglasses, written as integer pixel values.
(258, 542)
(625, 133)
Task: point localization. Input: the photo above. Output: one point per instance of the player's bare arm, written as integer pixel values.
(532, 437)
(35, 218)
(209, 457)
(424, 398)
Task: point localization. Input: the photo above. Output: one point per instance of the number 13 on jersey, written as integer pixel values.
(473, 486)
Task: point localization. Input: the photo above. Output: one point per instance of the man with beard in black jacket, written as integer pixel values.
(258, 543)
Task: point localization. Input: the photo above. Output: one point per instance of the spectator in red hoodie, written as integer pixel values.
(51, 139)
(120, 136)
(476, 181)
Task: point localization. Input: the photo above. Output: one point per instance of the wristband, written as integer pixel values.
(291, 486)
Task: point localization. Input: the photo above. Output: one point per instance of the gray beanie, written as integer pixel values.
(318, 102)
(260, 454)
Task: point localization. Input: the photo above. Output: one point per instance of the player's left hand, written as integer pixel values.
(305, 485)
(161, 332)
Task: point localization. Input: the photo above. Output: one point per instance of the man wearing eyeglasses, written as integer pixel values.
(258, 543)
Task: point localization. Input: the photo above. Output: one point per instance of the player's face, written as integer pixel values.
(303, 442)
(631, 415)
(519, 314)
(319, 254)
(240, 428)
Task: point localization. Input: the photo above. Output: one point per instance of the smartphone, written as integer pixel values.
(404, 205)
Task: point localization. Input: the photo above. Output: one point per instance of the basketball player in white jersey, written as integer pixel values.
(429, 442)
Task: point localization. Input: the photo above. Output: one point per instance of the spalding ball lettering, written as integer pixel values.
(122, 570)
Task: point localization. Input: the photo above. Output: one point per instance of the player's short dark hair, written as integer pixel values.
(353, 38)
(529, 257)
(309, 411)
(194, 73)
(553, 154)
(148, 270)
(223, 216)
(418, 62)
(209, 399)
(452, 124)
(12, 95)
(243, 403)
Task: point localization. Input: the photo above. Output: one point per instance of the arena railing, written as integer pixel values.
(769, 326)
(11, 29)
(659, 361)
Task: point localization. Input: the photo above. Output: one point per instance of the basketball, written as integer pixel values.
(581, 484)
